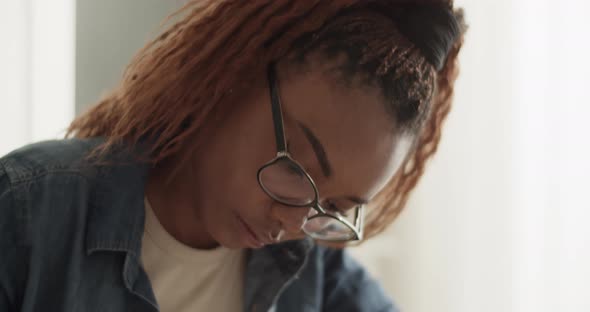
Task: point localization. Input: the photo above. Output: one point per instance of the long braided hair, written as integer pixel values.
(212, 51)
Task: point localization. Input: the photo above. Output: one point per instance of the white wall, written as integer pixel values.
(109, 33)
(14, 77)
(36, 70)
(451, 249)
(500, 220)
(58, 57)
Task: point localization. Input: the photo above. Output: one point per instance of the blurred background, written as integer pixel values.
(501, 219)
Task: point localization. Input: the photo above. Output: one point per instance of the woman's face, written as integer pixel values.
(341, 135)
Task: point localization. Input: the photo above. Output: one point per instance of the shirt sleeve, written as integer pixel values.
(348, 287)
(5, 304)
(11, 255)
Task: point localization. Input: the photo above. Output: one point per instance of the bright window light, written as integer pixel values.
(37, 77)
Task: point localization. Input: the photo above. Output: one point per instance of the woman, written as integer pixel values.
(242, 150)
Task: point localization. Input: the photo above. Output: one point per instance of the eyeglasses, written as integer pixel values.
(285, 181)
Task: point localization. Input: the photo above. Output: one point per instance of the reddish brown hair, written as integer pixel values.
(200, 65)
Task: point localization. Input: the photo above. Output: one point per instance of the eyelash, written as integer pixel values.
(332, 207)
(295, 170)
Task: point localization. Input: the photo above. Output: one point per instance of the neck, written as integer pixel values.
(174, 202)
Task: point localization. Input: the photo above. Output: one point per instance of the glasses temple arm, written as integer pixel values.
(360, 220)
(277, 114)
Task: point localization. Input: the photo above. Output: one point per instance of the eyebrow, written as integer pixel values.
(320, 154)
(318, 149)
(360, 201)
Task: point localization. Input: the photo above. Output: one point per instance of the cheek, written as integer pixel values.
(248, 143)
(392, 164)
(238, 179)
(366, 173)
(227, 172)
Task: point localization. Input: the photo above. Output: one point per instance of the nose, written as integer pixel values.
(291, 218)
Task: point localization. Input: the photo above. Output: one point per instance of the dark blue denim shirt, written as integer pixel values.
(71, 232)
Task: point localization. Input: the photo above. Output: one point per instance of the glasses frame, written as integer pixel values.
(284, 155)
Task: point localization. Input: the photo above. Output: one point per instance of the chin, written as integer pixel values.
(234, 245)
(226, 240)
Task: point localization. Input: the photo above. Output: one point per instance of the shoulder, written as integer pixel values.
(347, 285)
(64, 159)
(35, 178)
(41, 158)
(339, 262)
(51, 186)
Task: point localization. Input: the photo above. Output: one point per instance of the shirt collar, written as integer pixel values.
(270, 269)
(116, 215)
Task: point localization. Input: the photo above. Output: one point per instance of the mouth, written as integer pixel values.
(254, 240)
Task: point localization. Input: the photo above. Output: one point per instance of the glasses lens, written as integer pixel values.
(286, 182)
(327, 228)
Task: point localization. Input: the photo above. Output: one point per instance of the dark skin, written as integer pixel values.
(216, 200)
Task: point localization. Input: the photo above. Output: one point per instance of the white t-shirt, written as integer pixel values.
(188, 279)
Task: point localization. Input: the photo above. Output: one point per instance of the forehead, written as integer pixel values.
(351, 122)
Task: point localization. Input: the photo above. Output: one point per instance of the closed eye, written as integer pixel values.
(330, 206)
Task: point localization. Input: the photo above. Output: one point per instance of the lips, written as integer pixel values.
(258, 242)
